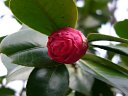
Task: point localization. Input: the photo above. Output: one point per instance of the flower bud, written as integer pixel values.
(66, 45)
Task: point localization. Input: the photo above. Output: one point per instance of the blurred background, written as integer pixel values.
(95, 16)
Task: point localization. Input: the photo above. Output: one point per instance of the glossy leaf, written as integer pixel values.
(45, 16)
(122, 29)
(51, 81)
(22, 40)
(117, 49)
(27, 48)
(102, 70)
(36, 57)
(19, 73)
(105, 62)
(97, 37)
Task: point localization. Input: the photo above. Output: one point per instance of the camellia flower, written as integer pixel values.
(66, 45)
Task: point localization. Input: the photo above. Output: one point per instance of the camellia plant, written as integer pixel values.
(67, 45)
(56, 58)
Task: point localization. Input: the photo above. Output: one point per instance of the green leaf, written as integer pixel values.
(71, 94)
(110, 55)
(106, 71)
(101, 88)
(6, 92)
(22, 40)
(117, 49)
(1, 78)
(79, 94)
(45, 16)
(124, 60)
(6, 2)
(36, 57)
(98, 4)
(122, 29)
(28, 48)
(1, 38)
(52, 81)
(19, 73)
(97, 37)
(69, 91)
(105, 62)
(8, 63)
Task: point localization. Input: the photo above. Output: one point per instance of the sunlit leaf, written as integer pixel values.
(45, 16)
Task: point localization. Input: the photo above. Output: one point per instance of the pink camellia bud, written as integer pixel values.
(66, 45)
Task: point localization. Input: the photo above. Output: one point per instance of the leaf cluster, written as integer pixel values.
(24, 53)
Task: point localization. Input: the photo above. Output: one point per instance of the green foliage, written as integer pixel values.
(98, 89)
(27, 47)
(19, 73)
(98, 37)
(1, 38)
(116, 49)
(79, 94)
(48, 81)
(45, 16)
(22, 40)
(8, 63)
(6, 92)
(105, 71)
(90, 76)
(124, 61)
(1, 78)
(122, 29)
